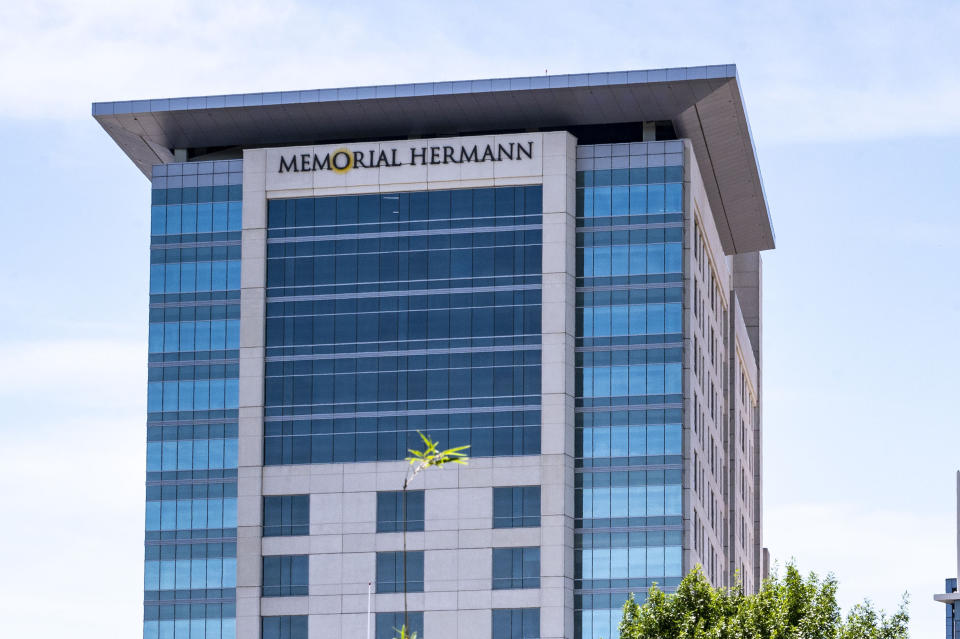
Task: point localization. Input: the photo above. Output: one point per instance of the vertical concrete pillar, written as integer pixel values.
(557, 435)
(250, 441)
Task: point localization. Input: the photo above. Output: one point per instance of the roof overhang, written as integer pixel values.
(705, 105)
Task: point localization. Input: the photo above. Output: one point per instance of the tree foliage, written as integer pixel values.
(791, 607)
(432, 457)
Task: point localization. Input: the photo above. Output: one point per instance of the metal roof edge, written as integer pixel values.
(483, 85)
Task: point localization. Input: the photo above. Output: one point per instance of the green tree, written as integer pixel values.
(420, 460)
(791, 607)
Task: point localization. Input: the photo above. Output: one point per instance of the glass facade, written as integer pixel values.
(191, 491)
(628, 374)
(401, 312)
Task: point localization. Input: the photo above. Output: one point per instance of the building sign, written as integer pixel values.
(397, 164)
(345, 159)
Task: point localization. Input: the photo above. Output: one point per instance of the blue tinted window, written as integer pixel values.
(192, 569)
(284, 627)
(516, 507)
(516, 568)
(404, 312)
(516, 623)
(286, 575)
(395, 506)
(389, 624)
(286, 515)
(628, 379)
(191, 512)
(390, 571)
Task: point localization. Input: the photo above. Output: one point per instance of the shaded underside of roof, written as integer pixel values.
(704, 103)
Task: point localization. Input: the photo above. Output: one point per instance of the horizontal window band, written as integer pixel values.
(190, 482)
(629, 226)
(194, 303)
(632, 220)
(410, 353)
(406, 233)
(631, 467)
(437, 291)
(233, 239)
(455, 411)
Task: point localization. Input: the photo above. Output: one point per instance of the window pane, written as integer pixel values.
(391, 509)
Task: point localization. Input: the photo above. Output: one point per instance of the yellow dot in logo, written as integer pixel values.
(341, 160)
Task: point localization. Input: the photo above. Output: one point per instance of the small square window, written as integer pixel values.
(516, 507)
(390, 569)
(393, 505)
(286, 515)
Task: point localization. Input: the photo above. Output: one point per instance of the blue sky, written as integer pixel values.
(853, 108)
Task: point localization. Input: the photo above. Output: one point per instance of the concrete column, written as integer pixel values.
(557, 434)
(250, 443)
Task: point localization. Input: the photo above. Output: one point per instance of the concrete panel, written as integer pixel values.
(475, 564)
(359, 543)
(299, 545)
(441, 600)
(440, 539)
(325, 605)
(515, 537)
(289, 485)
(439, 623)
(273, 606)
(353, 625)
(525, 598)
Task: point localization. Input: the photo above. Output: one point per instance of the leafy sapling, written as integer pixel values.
(420, 460)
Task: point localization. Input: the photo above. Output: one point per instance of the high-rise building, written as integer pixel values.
(562, 272)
